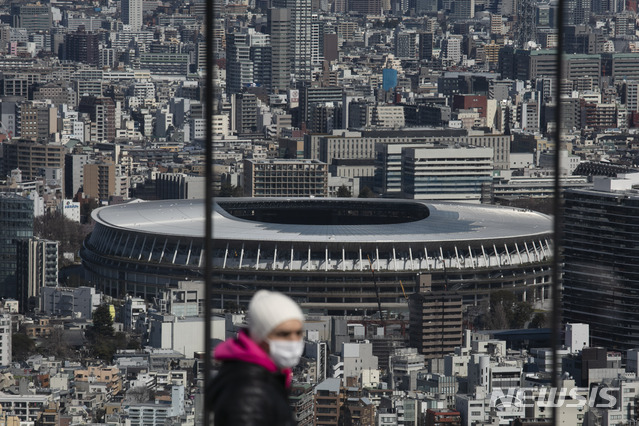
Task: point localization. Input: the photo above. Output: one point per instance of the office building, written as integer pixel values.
(99, 181)
(31, 158)
(176, 64)
(285, 178)
(77, 302)
(74, 173)
(441, 173)
(435, 321)
(279, 23)
(238, 62)
(425, 46)
(600, 283)
(101, 111)
(299, 41)
(132, 13)
(82, 46)
(16, 223)
(37, 120)
(406, 45)
(366, 7)
(245, 113)
(34, 17)
(179, 186)
(37, 267)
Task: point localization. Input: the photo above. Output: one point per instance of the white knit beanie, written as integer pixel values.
(267, 310)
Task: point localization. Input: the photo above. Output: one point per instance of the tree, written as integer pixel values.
(505, 311)
(366, 192)
(87, 207)
(102, 322)
(56, 345)
(56, 227)
(22, 346)
(522, 312)
(228, 190)
(344, 192)
(538, 321)
(139, 394)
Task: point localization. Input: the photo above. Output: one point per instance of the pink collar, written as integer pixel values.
(244, 349)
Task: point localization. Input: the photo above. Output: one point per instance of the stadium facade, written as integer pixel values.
(332, 255)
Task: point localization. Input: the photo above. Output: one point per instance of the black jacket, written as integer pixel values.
(245, 394)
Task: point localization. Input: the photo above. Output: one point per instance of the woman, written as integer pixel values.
(252, 385)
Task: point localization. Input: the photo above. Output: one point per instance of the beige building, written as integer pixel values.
(31, 157)
(38, 120)
(99, 180)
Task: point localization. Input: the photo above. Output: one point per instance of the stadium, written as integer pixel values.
(332, 255)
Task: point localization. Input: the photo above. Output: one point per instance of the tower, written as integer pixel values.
(279, 25)
(132, 13)
(300, 36)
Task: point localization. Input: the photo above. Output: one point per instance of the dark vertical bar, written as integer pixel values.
(208, 202)
(557, 213)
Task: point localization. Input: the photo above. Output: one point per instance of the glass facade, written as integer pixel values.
(16, 223)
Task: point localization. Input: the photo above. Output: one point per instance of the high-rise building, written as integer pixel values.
(74, 173)
(99, 181)
(37, 120)
(451, 49)
(260, 55)
(5, 339)
(101, 111)
(245, 109)
(425, 46)
(248, 60)
(132, 13)
(238, 59)
(279, 26)
(299, 42)
(406, 44)
(16, 222)
(435, 322)
(599, 274)
(37, 267)
(82, 46)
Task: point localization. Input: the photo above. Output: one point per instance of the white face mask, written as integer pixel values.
(286, 353)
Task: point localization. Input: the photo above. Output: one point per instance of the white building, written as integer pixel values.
(5, 339)
(355, 358)
(70, 209)
(451, 174)
(182, 335)
(131, 311)
(132, 14)
(404, 362)
(577, 337)
(156, 414)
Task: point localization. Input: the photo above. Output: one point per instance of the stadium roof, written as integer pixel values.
(443, 221)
